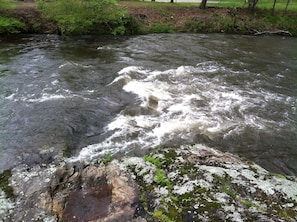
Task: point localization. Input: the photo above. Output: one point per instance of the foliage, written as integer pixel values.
(153, 160)
(243, 22)
(160, 216)
(161, 28)
(5, 4)
(10, 25)
(283, 22)
(86, 16)
(107, 158)
(105, 17)
(162, 179)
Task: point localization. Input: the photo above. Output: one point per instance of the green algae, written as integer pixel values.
(4, 184)
(270, 175)
(66, 151)
(228, 190)
(247, 203)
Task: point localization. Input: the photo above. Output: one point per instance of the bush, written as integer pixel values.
(5, 4)
(161, 28)
(10, 25)
(86, 16)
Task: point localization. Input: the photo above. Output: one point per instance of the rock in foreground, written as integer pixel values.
(189, 183)
(196, 183)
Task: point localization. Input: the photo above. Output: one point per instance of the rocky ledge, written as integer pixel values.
(189, 183)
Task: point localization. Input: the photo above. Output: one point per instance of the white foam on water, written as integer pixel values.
(45, 97)
(72, 64)
(50, 92)
(10, 97)
(184, 102)
(147, 90)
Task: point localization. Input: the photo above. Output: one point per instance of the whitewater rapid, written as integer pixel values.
(86, 96)
(189, 104)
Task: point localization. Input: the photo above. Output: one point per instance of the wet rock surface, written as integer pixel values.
(71, 192)
(88, 204)
(189, 183)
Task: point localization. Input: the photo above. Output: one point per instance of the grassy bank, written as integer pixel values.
(137, 17)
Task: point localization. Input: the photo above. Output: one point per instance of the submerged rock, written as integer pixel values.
(189, 183)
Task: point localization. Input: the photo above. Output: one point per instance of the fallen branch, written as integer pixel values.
(277, 32)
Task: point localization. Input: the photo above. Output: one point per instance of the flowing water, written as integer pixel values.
(95, 95)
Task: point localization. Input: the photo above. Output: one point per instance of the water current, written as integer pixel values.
(94, 95)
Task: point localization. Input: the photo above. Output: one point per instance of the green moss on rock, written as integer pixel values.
(195, 183)
(4, 183)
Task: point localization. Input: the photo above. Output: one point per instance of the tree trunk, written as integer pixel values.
(288, 1)
(273, 7)
(203, 4)
(252, 4)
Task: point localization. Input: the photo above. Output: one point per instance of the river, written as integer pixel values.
(96, 95)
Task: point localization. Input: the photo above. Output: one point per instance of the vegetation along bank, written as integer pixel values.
(77, 17)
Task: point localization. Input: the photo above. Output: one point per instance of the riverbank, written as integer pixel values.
(172, 18)
(148, 17)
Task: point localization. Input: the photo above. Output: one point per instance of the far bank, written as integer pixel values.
(127, 17)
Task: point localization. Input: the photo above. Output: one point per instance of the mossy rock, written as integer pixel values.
(4, 184)
(194, 183)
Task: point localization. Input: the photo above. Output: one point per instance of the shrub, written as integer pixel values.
(161, 28)
(86, 16)
(10, 25)
(5, 4)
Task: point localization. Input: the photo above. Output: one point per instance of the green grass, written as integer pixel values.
(158, 4)
(6, 4)
(280, 5)
(262, 4)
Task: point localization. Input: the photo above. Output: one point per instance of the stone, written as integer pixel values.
(73, 192)
(186, 183)
(205, 184)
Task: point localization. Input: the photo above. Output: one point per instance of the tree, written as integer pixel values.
(203, 4)
(252, 4)
(288, 2)
(273, 7)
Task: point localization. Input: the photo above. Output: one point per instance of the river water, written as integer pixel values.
(94, 95)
